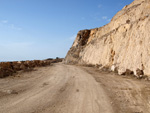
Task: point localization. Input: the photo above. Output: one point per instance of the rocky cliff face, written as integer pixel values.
(122, 45)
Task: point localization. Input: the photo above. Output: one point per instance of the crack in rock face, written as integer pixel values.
(122, 45)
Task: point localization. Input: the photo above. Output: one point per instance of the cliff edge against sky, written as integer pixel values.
(122, 45)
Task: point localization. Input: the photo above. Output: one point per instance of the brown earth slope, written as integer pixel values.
(123, 44)
(73, 89)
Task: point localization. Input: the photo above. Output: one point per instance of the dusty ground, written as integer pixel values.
(73, 89)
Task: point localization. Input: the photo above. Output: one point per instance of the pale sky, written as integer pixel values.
(40, 29)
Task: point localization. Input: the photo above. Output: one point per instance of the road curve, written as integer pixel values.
(57, 89)
(73, 89)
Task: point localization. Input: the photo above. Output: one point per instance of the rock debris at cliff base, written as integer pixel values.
(123, 44)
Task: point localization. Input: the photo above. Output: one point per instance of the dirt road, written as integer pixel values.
(73, 89)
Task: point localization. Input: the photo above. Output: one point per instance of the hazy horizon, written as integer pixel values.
(41, 29)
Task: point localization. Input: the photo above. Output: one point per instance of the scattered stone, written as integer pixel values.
(129, 72)
(44, 84)
(114, 68)
(77, 90)
(98, 65)
(124, 41)
(9, 68)
(10, 91)
(14, 92)
(139, 73)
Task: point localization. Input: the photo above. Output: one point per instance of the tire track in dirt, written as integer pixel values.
(73, 89)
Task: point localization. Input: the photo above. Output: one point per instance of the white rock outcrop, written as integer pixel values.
(123, 43)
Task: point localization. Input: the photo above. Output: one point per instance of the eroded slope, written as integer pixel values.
(123, 44)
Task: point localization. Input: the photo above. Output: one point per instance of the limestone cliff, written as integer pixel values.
(123, 44)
